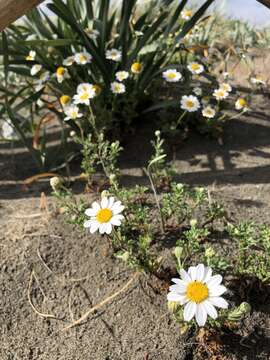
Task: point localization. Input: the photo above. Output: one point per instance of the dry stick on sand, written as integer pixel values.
(102, 303)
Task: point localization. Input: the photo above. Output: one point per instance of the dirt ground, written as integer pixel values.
(63, 272)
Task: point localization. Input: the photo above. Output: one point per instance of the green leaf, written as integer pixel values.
(54, 43)
(162, 105)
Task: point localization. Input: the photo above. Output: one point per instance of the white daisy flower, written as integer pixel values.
(117, 87)
(92, 33)
(197, 91)
(61, 74)
(121, 75)
(172, 75)
(85, 92)
(257, 80)
(190, 103)
(195, 68)
(226, 87)
(138, 33)
(186, 14)
(200, 292)
(69, 61)
(104, 216)
(82, 58)
(31, 56)
(241, 104)
(35, 69)
(208, 112)
(72, 112)
(114, 55)
(220, 94)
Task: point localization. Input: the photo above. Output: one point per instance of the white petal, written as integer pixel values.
(201, 314)
(108, 228)
(217, 290)
(214, 281)
(111, 202)
(104, 202)
(192, 271)
(210, 309)
(117, 209)
(87, 223)
(178, 288)
(174, 297)
(90, 212)
(207, 274)
(189, 311)
(179, 281)
(184, 275)
(96, 206)
(200, 272)
(94, 227)
(102, 228)
(219, 302)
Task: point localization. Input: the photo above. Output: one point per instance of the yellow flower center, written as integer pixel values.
(242, 102)
(64, 99)
(74, 114)
(60, 71)
(82, 58)
(190, 103)
(104, 215)
(195, 67)
(187, 13)
(84, 96)
(136, 68)
(171, 75)
(117, 88)
(197, 292)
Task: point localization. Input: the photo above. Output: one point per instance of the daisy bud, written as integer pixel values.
(105, 193)
(239, 312)
(55, 183)
(72, 133)
(157, 133)
(178, 251)
(209, 252)
(124, 256)
(193, 222)
(179, 186)
(112, 178)
(172, 306)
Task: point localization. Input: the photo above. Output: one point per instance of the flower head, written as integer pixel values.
(121, 75)
(200, 292)
(117, 87)
(190, 103)
(72, 113)
(208, 112)
(82, 58)
(136, 68)
(85, 92)
(7, 131)
(226, 87)
(186, 14)
(69, 61)
(197, 91)
(220, 94)
(61, 74)
(195, 68)
(172, 75)
(31, 56)
(92, 33)
(257, 80)
(241, 104)
(104, 216)
(35, 69)
(65, 100)
(114, 55)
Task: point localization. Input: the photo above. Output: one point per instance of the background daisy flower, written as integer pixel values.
(92, 33)
(208, 112)
(117, 87)
(241, 104)
(85, 92)
(69, 61)
(172, 75)
(200, 292)
(61, 74)
(65, 100)
(190, 103)
(226, 87)
(31, 56)
(186, 14)
(72, 113)
(195, 68)
(35, 69)
(114, 55)
(220, 94)
(136, 68)
(104, 216)
(121, 75)
(82, 58)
